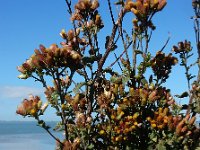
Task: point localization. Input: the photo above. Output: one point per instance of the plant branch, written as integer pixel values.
(165, 44)
(42, 124)
(117, 59)
(124, 44)
(111, 13)
(134, 40)
(110, 44)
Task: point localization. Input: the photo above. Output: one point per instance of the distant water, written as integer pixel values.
(25, 136)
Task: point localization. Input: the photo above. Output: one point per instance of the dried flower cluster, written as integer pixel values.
(183, 47)
(85, 10)
(144, 11)
(162, 65)
(144, 7)
(127, 120)
(72, 39)
(31, 107)
(48, 58)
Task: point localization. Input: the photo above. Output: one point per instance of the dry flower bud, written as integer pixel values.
(135, 11)
(171, 102)
(98, 20)
(70, 35)
(44, 107)
(78, 31)
(21, 110)
(80, 119)
(80, 5)
(192, 120)
(165, 111)
(179, 127)
(95, 4)
(155, 4)
(63, 34)
(184, 129)
(23, 76)
(152, 96)
(162, 4)
(89, 119)
(21, 69)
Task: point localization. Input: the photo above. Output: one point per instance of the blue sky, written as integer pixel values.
(27, 23)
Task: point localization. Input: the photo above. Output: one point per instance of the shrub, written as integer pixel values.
(109, 108)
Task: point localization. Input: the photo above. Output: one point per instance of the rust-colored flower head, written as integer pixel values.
(87, 5)
(95, 5)
(46, 58)
(153, 96)
(63, 34)
(144, 11)
(30, 107)
(98, 20)
(21, 110)
(80, 119)
(76, 16)
(162, 65)
(128, 5)
(161, 5)
(182, 47)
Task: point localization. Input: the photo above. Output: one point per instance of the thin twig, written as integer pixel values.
(165, 44)
(117, 59)
(124, 44)
(40, 80)
(111, 13)
(118, 62)
(73, 22)
(46, 128)
(134, 59)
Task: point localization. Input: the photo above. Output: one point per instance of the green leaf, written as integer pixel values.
(91, 146)
(138, 52)
(23, 76)
(153, 137)
(144, 81)
(91, 59)
(184, 94)
(54, 97)
(78, 87)
(161, 145)
(59, 127)
(111, 72)
(151, 79)
(126, 76)
(115, 79)
(120, 2)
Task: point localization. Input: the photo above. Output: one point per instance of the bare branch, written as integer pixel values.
(165, 44)
(110, 43)
(111, 13)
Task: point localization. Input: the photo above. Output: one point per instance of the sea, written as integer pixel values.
(26, 135)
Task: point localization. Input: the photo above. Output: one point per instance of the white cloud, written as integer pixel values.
(18, 91)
